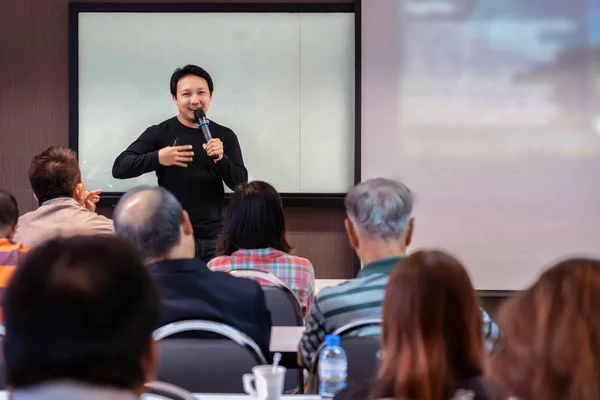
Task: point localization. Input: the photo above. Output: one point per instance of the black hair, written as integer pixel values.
(54, 173)
(80, 308)
(254, 220)
(190, 70)
(9, 210)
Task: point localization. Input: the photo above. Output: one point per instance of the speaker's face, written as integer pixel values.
(192, 93)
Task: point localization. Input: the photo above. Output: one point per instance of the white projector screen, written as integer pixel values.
(284, 82)
(490, 111)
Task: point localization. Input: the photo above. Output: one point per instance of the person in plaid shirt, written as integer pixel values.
(253, 237)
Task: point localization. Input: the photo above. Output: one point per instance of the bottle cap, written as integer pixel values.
(332, 340)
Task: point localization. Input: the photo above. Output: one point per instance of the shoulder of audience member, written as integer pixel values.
(219, 260)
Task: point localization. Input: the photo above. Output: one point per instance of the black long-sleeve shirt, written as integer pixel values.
(199, 187)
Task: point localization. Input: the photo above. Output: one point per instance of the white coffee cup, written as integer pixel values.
(265, 382)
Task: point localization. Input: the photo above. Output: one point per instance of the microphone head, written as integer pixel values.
(199, 114)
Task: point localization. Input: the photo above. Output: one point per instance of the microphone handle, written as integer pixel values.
(205, 130)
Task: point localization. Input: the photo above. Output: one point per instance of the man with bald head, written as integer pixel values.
(153, 220)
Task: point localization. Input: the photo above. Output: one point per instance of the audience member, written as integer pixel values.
(432, 341)
(550, 343)
(66, 208)
(379, 225)
(79, 316)
(254, 237)
(379, 228)
(10, 252)
(154, 221)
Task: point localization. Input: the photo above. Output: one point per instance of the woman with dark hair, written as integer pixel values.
(432, 336)
(550, 347)
(254, 237)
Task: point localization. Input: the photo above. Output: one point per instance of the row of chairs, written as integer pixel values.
(216, 365)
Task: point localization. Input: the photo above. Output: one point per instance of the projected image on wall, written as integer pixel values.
(507, 78)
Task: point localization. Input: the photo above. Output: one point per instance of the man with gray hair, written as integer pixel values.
(153, 220)
(379, 225)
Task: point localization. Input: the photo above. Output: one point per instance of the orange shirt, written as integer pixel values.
(11, 254)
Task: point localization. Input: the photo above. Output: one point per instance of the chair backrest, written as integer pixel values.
(214, 365)
(281, 301)
(285, 310)
(361, 352)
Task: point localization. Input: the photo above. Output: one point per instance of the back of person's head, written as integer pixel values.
(9, 214)
(432, 334)
(550, 343)
(254, 220)
(190, 69)
(153, 220)
(54, 173)
(82, 309)
(379, 210)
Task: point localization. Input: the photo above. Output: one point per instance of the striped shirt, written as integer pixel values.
(336, 306)
(11, 254)
(355, 299)
(296, 272)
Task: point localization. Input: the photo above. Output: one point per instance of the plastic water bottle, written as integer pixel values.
(333, 367)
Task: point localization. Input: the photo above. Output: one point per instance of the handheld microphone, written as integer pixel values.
(202, 124)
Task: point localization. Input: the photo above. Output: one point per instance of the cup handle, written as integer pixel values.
(249, 384)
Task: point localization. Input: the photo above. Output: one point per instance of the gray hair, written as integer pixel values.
(149, 218)
(381, 207)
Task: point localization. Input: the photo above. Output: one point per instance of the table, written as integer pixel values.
(285, 339)
(323, 283)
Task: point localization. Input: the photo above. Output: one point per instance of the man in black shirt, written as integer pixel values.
(194, 171)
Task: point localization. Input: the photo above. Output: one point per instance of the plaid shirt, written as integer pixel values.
(296, 272)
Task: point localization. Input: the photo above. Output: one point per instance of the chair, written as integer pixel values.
(361, 352)
(281, 301)
(285, 311)
(166, 391)
(211, 365)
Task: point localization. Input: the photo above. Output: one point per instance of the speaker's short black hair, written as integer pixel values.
(79, 308)
(190, 70)
(9, 210)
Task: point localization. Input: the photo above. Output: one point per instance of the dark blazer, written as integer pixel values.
(189, 290)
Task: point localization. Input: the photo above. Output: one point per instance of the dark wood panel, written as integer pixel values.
(316, 234)
(319, 235)
(33, 78)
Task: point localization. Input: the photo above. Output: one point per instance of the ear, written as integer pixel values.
(79, 192)
(351, 232)
(409, 231)
(186, 224)
(174, 99)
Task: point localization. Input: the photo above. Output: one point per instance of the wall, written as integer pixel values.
(33, 116)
